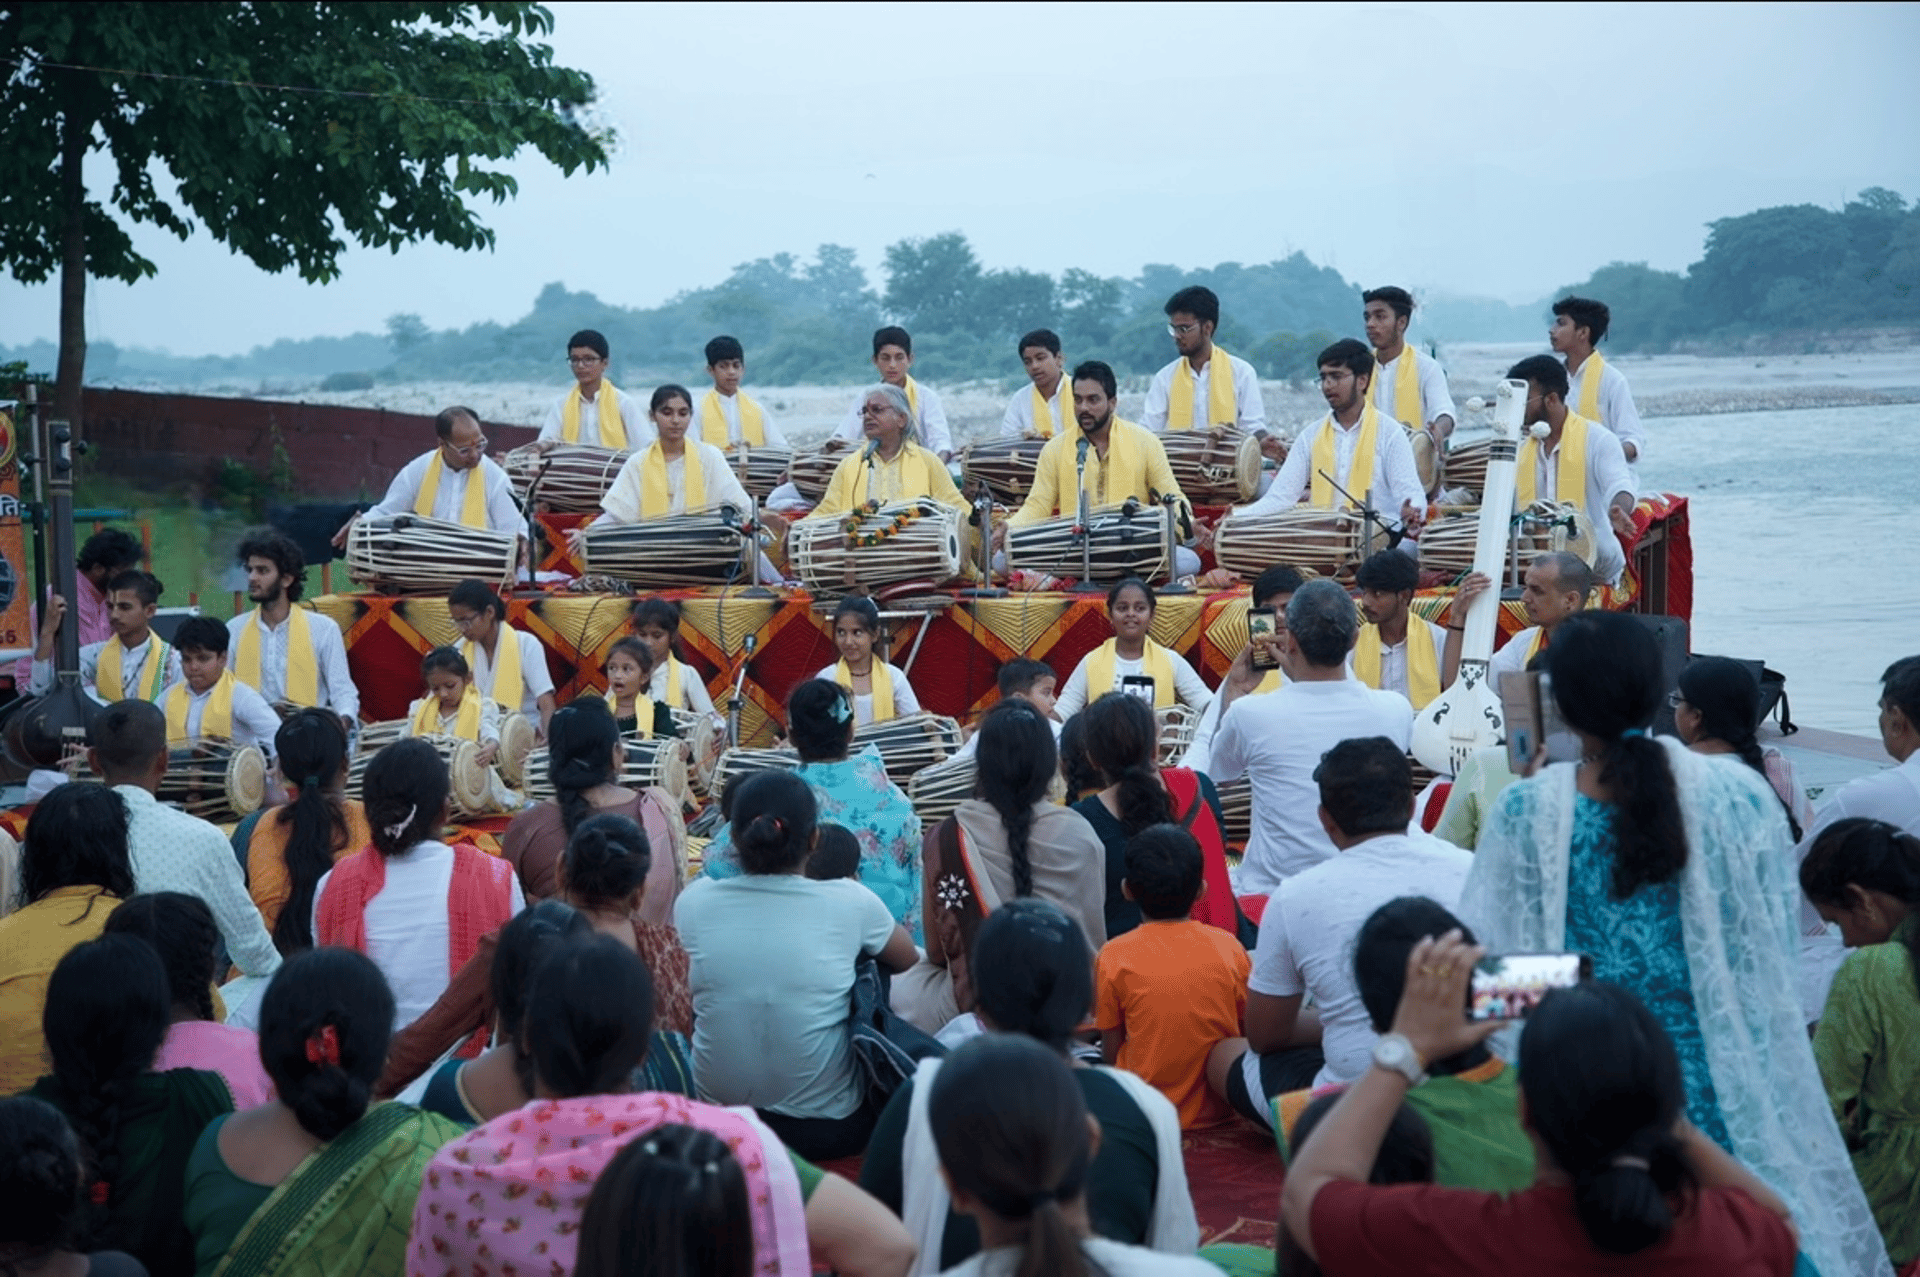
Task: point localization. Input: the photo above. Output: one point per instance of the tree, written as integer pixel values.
(284, 129)
(931, 282)
(405, 331)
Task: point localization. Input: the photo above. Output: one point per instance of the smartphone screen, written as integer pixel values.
(1262, 623)
(1140, 685)
(1508, 986)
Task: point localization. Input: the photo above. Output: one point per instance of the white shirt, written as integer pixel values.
(1199, 755)
(1892, 795)
(904, 701)
(693, 691)
(1249, 409)
(730, 409)
(1307, 934)
(934, 434)
(1617, 410)
(1395, 480)
(535, 679)
(1115, 1259)
(407, 926)
(640, 431)
(1276, 741)
(1018, 423)
(503, 513)
(172, 851)
(972, 744)
(770, 962)
(1510, 657)
(336, 689)
(1393, 657)
(1188, 688)
(1607, 477)
(1436, 400)
(254, 721)
(133, 669)
(622, 502)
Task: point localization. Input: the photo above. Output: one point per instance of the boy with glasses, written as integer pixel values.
(577, 416)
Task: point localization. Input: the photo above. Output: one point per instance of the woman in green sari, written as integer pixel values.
(316, 1181)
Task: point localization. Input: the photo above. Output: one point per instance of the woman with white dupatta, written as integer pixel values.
(1674, 873)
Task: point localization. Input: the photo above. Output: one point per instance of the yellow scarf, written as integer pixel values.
(1326, 456)
(1407, 408)
(473, 510)
(108, 677)
(676, 684)
(656, 494)
(915, 473)
(1155, 662)
(713, 421)
(509, 689)
(1121, 475)
(1270, 683)
(216, 720)
(466, 725)
(1589, 396)
(613, 431)
(303, 667)
(1533, 645)
(1570, 470)
(881, 680)
(1222, 408)
(1043, 424)
(1423, 663)
(913, 400)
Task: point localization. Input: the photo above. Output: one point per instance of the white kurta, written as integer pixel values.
(730, 409)
(1018, 421)
(1394, 482)
(336, 688)
(1250, 409)
(1607, 477)
(622, 502)
(935, 435)
(503, 513)
(1435, 398)
(640, 431)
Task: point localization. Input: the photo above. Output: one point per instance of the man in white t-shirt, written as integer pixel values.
(1277, 740)
(1312, 919)
(1272, 590)
(1892, 795)
(893, 360)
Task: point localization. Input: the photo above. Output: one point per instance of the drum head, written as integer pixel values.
(1576, 539)
(1246, 467)
(516, 742)
(1426, 458)
(246, 780)
(705, 742)
(470, 789)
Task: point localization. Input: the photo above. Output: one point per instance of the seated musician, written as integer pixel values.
(892, 357)
(1580, 462)
(1043, 409)
(628, 671)
(509, 666)
(209, 702)
(1132, 653)
(452, 705)
(656, 623)
(1122, 461)
(1353, 447)
(456, 483)
(1186, 394)
(578, 416)
(288, 654)
(1557, 586)
(135, 663)
(1398, 651)
(893, 466)
(728, 415)
(880, 691)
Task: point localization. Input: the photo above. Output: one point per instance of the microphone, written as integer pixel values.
(1540, 430)
(873, 448)
(1080, 453)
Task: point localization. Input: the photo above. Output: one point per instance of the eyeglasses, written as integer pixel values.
(584, 361)
(1675, 700)
(1180, 330)
(877, 409)
(474, 449)
(464, 622)
(1335, 378)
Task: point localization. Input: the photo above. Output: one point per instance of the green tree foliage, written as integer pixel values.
(282, 129)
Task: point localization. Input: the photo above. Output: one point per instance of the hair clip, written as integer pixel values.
(323, 1048)
(98, 1192)
(398, 831)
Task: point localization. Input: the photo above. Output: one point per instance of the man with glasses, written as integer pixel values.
(456, 483)
(576, 417)
(1191, 393)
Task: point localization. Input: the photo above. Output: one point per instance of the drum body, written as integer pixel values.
(659, 761)
(1236, 811)
(760, 469)
(811, 470)
(706, 737)
(517, 733)
(1005, 466)
(570, 477)
(1177, 723)
(1329, 542)
(412, 554)
(735, 763)
(1447, 544)
(938, 789)
(910, 743)
(925, 549)
(215, 780)
(698, 548)
(1214, 467)
(471, 790)
(1426, 458)
(1466, 466)
(1122, 545)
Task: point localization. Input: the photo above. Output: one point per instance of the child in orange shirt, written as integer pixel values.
(1172, 990)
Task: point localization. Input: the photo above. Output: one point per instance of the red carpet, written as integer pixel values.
(1233, 1173)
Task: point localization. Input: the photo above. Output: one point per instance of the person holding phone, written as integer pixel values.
(1131, 654)
(1259, 660)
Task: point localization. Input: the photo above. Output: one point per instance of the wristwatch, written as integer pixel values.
(1394, 1052)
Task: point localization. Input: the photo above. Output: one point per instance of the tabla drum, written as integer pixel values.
(1177, 723)
(374, 737)
(1426, 458)
(909, 743)
(1123, 545)
(657, 761)
(1214, 467)
(760, 468)
(568, 478)
(1330, 542)
(215, 780)
(412, 554)
(937, 790)
(700, 547)
(811, 470)
(1236, 811)
(735, 763)
(925, 547)
(706, 737)
(1466, 466)
(1005, 467)
(517, 733)
(1447, 544)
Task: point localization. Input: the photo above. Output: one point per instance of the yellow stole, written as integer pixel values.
(1123, 463)
(1043, 424)
(642, 711)
(676, 684)
(613, 431)
(881, 680)
(303, 667)
(1534, 645)
(656, 494)
(216, 720)
(913, 399)
(1589, 396)
(1222, 408)
(1570, 470)
(466, 724)
(1423, 663)
(713, 421)
(1407, 408)
(473, 510)
(509, 689)
(1326, 456)
(1155, 662)
(109, 673)
(1271, 682)
(916, 473)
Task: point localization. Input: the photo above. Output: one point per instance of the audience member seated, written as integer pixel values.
(1015, 1145)
(107, 1011)
(1122, 741)
(74, 872)
(678, 1201)
(1132, 653)
(41, 1207)
(1032, 978)
(487, 1205)
(1864, 878)
(835, 854)
(880, 691)
(180, 929)
(853, 792)
(1480, 780)
(1406, 1156)
(293, 846)
(1625, 1182)
(773, 956)
(1079, 778)
(320, 1180)
(1022, 679)
(1005, 842)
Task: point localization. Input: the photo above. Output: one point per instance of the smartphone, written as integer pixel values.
(1140, 685)
(1262, 623)
(1508, 986)
(1531, 717)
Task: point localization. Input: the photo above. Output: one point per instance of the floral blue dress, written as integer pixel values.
(857, 795)
(1638, 943)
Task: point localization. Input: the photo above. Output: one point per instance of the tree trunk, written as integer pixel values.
(76, 126)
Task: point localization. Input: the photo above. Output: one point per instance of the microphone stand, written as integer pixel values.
(1169, 505)
(1395, 532)
(982, 519)
(528, 508)
(737, 701)
(755, 590)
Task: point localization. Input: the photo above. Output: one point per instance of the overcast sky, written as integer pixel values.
(1467, 148)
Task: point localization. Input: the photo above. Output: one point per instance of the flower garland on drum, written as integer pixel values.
(872, 536)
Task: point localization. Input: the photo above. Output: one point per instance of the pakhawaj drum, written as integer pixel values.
(412, 554)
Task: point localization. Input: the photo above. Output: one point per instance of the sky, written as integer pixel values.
(1479, 149)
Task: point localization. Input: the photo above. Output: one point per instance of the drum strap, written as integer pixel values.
(1223, 408)
(713, 421)
(607, 420)
(473, 510)
(1591, 370)
(1570, 466)
(215, 720)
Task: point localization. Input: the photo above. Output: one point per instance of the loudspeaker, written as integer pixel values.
(1671, 633)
